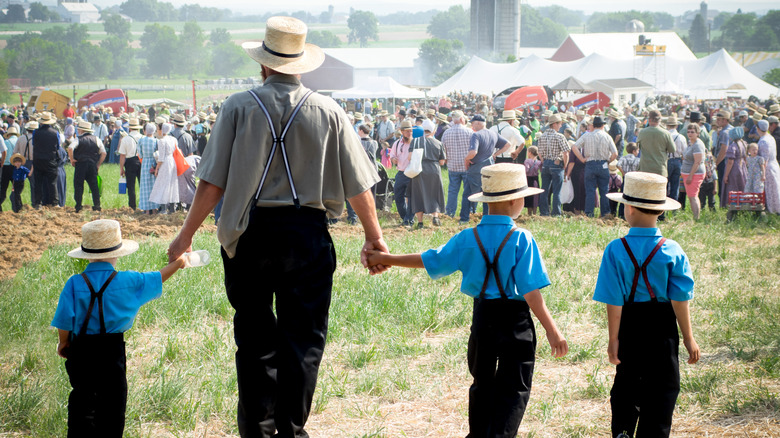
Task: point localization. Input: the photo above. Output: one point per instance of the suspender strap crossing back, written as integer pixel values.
(92, 296)
(492, 266)
(279, 140)
(642, 269)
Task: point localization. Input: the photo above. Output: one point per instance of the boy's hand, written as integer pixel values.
(558, 344)
(612, 352)
(693, 350)
(62, 349)
(373, 257)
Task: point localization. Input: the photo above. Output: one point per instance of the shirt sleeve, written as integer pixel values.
(473, 143)
(219, 149)
(608, 288)
(680, 276)
(65, 315)
(148, 285)
(500, 142)
(529, 272)
(442, 261)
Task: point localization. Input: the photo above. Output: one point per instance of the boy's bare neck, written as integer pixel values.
(111, 260)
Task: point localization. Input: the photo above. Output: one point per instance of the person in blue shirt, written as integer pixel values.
(646, 282)
(20, 173)
(503, 271)
(95, 308)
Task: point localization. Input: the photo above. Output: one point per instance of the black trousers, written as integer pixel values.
(501, 360)
(707, 195)
(133, 176)
(16, 196)
(45, 186)
(647, 381)
(97, 370)
(86, 171)
(288, 254)
(5, 181)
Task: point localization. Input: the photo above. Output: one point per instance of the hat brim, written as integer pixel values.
(134, 127)
(670, 203)
(508, 118)
(128, 247)
(45, 122)
(312, 58)
(529, 191)
(16, 157)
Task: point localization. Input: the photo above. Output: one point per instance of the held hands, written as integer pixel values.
(178, 247)
(369, 256)
(558, 344)
(693, 350)
(612, 352)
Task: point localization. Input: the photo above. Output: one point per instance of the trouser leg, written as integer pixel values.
(133, 177)
(79, 175)
(673, 167)
(399, 193)
(590, 188)
(16, 196)
(91, 178)
(603, 184)
(5, 181)
(544, 202)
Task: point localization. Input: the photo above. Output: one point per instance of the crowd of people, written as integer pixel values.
(157, 151)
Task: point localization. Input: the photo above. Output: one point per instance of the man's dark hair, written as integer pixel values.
(366, 128)
(654, 115)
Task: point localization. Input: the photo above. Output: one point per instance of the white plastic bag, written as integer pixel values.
(415, 163)
(567, 191)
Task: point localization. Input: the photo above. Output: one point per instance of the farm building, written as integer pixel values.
(78, 12)
(619, 45)
(622, 91)
(344, 68)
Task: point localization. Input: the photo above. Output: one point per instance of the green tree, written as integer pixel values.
(698, 35)
(616, 21)
(41, 61)
(15, 14)
(538, 31)
(147, 10)
(362, 26)
(719, 19)
(191, 61)
(121, 57)
(226, 58)
(452, 24)
(160, 46)
(91, 62)
(39, 12)
(439, 57)
(219, 36)
(773, 77)
(323, 38)
(664, 20)
(5, 96)
(114, 24)
(561, 15)
(772, 20)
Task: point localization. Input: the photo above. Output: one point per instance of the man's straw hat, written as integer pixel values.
(31, 126)
(144, 117)
(508, 115)
(85, 126)
(133, 124)
(672, 120)
(102, 239)
(504, 182)
(645, 190)
(406, 124)
(47, 118)
(441, 117)
(757, 116)
(774, 109)
(284, 48)
(179, 120)
(11, 131)
(555, 118)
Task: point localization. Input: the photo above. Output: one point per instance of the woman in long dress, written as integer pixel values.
(427, 189)
(767, 148)
(166, 187)
(147, 147)
(734, 177)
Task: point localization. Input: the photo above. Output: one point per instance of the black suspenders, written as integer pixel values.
(492, 266)
(99, 296)
(642, 269)
(279, 141)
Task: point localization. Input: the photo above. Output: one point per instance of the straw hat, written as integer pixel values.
(285, 48)
(133, 124)
(441, 117)
(430, 112)
(612, 167)
(212, 117)
(179, 119)
(31, 125)
(504, 182)
(393, 117)
(614, 114)
(757, 116)
(85, 126)
(201, 115)
(672, 121)
(143, 117)
(645, 190)
(11, 131)
(581, 113)
(752, 106)
(125, 116)
(159, 120)
(17, 156)
(358, 115)
(762, 110)
(508, 115)
(102, 239)
(47, 118)
(406, 124)
(772, 119)
(773, 109)
(555, 118)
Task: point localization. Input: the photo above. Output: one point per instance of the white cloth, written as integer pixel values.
(129, 144)
(166, 186)
(510, 134)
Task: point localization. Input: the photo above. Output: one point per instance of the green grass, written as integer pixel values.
(395, 362)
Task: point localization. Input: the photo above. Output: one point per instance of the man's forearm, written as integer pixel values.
(365, 208)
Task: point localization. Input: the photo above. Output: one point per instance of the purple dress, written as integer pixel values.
(767, 148)
(532, 175)
(737, 176)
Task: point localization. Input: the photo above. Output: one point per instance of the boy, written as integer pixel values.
(94, 310)
(503, 271)
(643, 314)
(20, 173)
(709, 187)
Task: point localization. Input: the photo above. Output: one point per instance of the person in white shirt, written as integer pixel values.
(506, 129)
(129, 163)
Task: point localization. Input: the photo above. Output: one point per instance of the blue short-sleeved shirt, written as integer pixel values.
(520, 265)
(126, 293)
(669, 271)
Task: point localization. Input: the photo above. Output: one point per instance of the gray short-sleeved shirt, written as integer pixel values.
(688, 158)
(327, 162)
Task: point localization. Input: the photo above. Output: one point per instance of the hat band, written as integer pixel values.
(282, 55)
(642, 200)
(101, 250)
(508, 192)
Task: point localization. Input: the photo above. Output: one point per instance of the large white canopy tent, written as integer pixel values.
(379, 87)
(715, 76)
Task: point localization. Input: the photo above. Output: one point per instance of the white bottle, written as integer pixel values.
(198, 258)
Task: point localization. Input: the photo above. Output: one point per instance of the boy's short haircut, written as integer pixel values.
(631, 147)
(366, 128)
(649, 211)
(533, 150)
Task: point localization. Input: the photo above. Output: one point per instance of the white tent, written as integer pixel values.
(150, 102)
(714, 76)
(378, 87)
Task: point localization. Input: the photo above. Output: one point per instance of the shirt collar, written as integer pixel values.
(496, 219)
(99, 266)
(282, 78)
(644, 232)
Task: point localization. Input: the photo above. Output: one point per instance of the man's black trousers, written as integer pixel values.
(133, 176)
(86, 171)
(287, 254)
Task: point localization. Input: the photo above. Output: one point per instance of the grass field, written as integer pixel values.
(395, 364)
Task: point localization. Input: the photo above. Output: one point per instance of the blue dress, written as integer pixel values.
(146, 148)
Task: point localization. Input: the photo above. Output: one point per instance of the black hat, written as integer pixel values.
(478, 118)
(598, 122)
(695, 116)
(402, 113)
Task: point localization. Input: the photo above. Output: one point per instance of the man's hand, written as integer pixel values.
(376, 245)
(179, 246)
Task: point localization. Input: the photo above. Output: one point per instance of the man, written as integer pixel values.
(704, 135)
(617, 130)
(655, 144)
(719, 149)
(86, 155)
(506, 128)
(598, 150)
(24, 146)
(580, 116)
(674, 162)
(442, 127)
(370, 146)
(68, 112)
(742, 119)
(484, 146)
(100, 129)
(631, 123)
(554, 154)
(184, 139)
(273, 231)
(129, 164)
(400, 156)
(385, 129)
(456, 146)
(46, 161)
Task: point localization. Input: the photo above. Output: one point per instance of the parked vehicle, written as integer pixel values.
(113, 98)
(47, 100)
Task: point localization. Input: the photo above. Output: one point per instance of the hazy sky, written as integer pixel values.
(675, 7)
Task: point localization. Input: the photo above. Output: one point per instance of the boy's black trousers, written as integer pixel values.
(97, 371)
(648, 378)
(501, 360)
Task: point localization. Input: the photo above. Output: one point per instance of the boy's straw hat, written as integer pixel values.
(612, 168)
(11, 131)
(504, 182)
(17, 156)
(645, 190)
(284, 48)
(102, 239)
